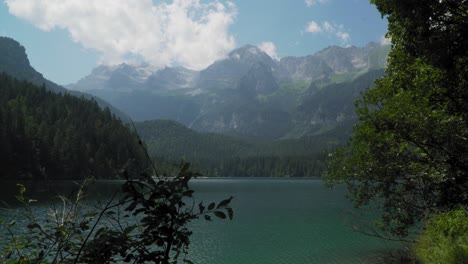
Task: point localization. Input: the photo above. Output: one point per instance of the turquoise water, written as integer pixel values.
(282, 221)
(275, 221)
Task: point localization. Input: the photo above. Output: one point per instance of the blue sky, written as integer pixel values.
(66, 39)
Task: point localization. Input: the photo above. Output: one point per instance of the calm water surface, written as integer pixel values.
(276, 221)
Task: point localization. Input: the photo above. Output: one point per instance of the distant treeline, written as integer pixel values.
(212, 154)
(56, 136)
(264, 166)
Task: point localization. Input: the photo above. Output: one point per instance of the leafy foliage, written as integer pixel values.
(51, 240)
(409, 151)
(56, 136)
(445, 239)
(147, 224)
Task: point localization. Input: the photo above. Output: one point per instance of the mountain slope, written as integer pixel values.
(14, 62)
(228, 72)
(323, 109)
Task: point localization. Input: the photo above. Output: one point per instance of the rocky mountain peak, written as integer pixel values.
(12, 53)
(259, 80)
(14, 61)
(250, 54)
(170, 78)
(121, 76)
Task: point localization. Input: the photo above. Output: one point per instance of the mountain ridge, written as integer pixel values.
(14, 62)
(330, 60)
(247, 93)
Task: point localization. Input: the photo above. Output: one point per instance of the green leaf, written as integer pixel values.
(22, 188)
(129, 229)
(187, 261)
(230, 213)
(220, 214)
(32, 226)
(211, 206)
(20, 246)
(224, 203)
(90, 214)
(207, 218)
(61, 229)
(132, 206)
(201, 207)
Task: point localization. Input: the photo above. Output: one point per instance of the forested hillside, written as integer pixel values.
(221, 155)
(59, 136)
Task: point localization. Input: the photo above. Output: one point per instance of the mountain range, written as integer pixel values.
(247, 93)
(277, 117)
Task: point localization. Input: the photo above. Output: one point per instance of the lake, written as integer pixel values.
(276, 221)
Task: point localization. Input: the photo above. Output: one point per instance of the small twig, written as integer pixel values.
(94, 227)
(376, 234)
(14, 241)
(140, 141)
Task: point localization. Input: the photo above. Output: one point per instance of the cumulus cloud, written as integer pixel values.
(313, 27)
(310, 3)
(269, 48)
(330, 29)
(343, 36)
(190, 33)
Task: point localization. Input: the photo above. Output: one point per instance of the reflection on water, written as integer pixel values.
(275, 221)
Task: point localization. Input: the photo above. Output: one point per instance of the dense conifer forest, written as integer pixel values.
(169, 142)
(45, 135)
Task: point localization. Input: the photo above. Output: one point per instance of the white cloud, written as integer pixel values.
(189, 33)
(269, 48)
(343, 36)
(330, 29)
(313, 27)
(385, 41)
(310, 3)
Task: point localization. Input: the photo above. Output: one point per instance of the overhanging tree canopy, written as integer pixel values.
(410, 149)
